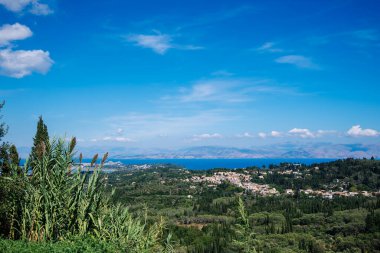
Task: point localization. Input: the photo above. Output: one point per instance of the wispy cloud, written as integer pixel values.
(358, 131)
(117, 136)
(366, 34)
(274, 134)
(148, 125)
(301, 132)
(200, 137)
(262, 135)
(228, 90)
(298, 60)
(357, 38)
(245, 135)
(321, 133)
(117, 139)
(35, 7)
(306, 133)
(215, 90)
(40, 9)
(159, 43)
(269, 47)
(217, 16)
(222, 73)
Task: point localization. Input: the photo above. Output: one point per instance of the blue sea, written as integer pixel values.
(205, 164)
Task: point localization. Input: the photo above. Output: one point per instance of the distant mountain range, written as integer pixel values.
(283, 150)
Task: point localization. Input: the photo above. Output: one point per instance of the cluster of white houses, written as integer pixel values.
(237, 179)
(331, 194)
(244, 181)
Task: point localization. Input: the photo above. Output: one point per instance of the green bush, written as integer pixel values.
(60, 204)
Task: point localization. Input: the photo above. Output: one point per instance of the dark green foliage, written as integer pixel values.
(372, 221)
(210, 221)
(5, 161)
(3, 126)
(347, 174)
(57, 204)
(13, 155)
(12, 194)
(9, 159)
(40, 142)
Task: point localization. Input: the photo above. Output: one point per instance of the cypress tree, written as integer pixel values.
(5, 165)
(13, 155)
(15, 158)
(4, 156)
(9, 159)
(3, 126)
(40, 141)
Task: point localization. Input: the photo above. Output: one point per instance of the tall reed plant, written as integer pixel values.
(62, 202)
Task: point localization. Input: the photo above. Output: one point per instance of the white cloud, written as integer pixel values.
(275, 134)
(13, 32)
(117, 139)
(198, 137)
(245, 135)
(269, 47)
(33, 6)
(321, 133)
(270, 134)
(306, 133)
(357, 131)
(40, 9)
(301, 132)
(20, 63)
(225, 90)
(159, 43)
(15, 5)
(297, 60)
(262, 135)
(145, 125)
(212, 90)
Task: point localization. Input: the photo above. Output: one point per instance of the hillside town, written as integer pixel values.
(237, 179)
(244, 180)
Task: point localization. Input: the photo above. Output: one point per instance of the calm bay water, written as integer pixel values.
(205, 164)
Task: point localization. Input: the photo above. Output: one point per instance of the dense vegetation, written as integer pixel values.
(50, 205)
(351, 174)
(46, 206)
(209, 219)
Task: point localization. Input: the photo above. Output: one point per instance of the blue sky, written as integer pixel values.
(189, 73)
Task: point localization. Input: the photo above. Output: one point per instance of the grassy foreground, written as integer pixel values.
(84, 244)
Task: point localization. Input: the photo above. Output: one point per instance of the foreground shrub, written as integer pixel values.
(59, 204)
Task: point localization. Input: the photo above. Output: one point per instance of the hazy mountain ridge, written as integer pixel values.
(284, 150)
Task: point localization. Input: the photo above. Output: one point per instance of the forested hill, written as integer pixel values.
(360, 171)
(348, 174)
